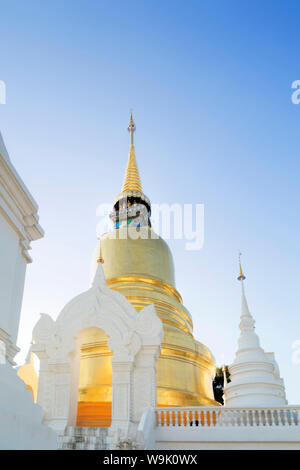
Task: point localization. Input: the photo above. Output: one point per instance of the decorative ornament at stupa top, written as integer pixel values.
(132, 181)
(132, 186)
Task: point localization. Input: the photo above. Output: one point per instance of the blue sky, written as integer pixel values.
(210, 85)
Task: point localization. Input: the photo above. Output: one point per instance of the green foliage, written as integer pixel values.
(218, 384)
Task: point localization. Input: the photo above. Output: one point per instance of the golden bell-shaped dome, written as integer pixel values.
(143, 257)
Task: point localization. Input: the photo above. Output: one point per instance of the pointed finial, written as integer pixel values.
(132, 180)
(100, 259)
(131, 127)
(241, 276)
(245, 308)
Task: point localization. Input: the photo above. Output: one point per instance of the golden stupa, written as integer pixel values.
(142, 269)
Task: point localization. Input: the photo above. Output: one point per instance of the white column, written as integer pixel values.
(144, 380)
(122, 392)
(74, 384)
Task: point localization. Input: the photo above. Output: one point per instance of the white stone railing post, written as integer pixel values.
(295, 417)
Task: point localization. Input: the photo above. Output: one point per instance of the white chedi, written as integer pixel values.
(254, 374)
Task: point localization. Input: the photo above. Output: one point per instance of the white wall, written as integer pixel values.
(12, 276)
(228, 437)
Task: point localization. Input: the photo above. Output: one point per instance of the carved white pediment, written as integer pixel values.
(104, 308)
(149, 326)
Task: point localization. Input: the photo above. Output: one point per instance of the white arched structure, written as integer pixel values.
(134, 339)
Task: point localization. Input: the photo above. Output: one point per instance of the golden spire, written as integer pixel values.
(132, 180)
(241, 276)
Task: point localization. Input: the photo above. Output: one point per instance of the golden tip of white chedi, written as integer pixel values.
(241, 276)
(100, 257)
(99, 278)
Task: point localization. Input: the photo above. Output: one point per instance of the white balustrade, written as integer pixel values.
(211, 416)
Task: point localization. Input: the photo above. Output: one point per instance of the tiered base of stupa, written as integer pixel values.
(83, 438)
